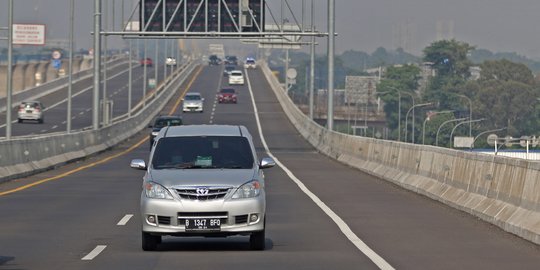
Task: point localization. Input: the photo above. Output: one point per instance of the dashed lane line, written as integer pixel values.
(124, 220)
(94, 253)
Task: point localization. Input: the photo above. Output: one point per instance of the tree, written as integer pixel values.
(504, 70)
(449, 57)
(397, 81)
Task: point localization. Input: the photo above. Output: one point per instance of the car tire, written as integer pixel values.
(40, 121)
(150, 242)
(257, 240)
(19, 120)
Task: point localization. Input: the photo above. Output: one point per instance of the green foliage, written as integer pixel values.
(449, 57)
(505, 70)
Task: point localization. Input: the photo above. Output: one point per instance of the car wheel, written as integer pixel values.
(150, 242)
(40, 121)
(19, 120)
(256, 240)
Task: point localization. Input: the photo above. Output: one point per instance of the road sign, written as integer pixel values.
(56, 55)
(57, 63)
(491, 139)
(292, 73)
(28, 34)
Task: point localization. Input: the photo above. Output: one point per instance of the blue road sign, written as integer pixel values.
(57, 63)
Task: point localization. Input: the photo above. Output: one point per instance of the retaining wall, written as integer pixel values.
(499, 190)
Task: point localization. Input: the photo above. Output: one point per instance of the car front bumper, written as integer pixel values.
(168, 215)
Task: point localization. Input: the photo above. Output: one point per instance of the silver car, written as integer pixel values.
(193, 102)
(203, 180)
(31, 110)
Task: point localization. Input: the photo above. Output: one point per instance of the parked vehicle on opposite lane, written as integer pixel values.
(170, 61)
(203, 180)
(31, 110)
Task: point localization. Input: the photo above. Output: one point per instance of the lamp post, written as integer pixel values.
(487, 131)
(407, 117)
(424, 124)
(470, 111)
(459, 124)
(399, 111)
(444, 123)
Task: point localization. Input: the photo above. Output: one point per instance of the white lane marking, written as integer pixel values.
(89, 109)
(94, 253)
(53, 127)
(73, 117)
(124, 220)
(43, 130)
(81, 113)
(64, 122)
(345, 229)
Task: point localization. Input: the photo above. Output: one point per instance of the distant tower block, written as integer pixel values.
(403, 36)
(445, 29)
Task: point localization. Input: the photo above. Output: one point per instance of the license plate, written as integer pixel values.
(203, 224)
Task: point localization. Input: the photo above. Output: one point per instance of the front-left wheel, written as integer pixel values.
(150, 242)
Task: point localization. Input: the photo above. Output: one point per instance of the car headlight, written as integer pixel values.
(156, 191)
(249, 190)
(155, 133)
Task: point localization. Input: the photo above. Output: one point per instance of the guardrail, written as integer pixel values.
(28, 155)
(56, 84)
(499, 190)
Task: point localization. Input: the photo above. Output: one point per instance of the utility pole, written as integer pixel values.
(97, 63)
(331, 55)
(312, 65)
(70, 78)
(9, 93)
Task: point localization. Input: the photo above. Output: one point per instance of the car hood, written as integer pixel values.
(193, 102)
(202, 177)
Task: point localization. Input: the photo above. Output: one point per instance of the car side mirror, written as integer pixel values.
(267, 163)
(138, 164)
(150, 126)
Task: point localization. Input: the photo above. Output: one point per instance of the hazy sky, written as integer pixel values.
(497, 25)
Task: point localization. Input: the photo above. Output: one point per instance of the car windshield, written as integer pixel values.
(29, 105)
(203, 152)
(193, 97)
(167, 122)
(236, 73)
(227, 91)
(250, 61)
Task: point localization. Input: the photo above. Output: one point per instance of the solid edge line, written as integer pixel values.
(345, 229)
(94, 253)
(124, 220)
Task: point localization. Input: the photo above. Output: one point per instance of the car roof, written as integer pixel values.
(30, 101)
(168, 117)
(206, 130)
(193, 94)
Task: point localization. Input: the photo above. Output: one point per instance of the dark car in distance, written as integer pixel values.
(231, 60)
(227, 95)
(227, 70)
(214, 60)
(161, 122)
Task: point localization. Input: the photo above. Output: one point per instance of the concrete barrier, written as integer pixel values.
(499, 190)
(27, 155)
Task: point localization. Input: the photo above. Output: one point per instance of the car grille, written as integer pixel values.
(213, 193)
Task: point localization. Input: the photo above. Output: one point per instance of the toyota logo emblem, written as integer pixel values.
(202, 191)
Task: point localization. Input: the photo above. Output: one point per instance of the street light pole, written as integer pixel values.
(399, 112)
(487, 131)
(312, 64)
(70, 75)
(444, 123)
(424, 124)
(331, 55)
(459, 124)
(407, 117)
(97, 63)
(9, 78)
(470, 112)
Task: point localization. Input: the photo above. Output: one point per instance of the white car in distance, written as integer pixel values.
(236, 77)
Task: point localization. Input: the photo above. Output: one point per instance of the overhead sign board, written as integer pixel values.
(291, 41)
(28, 34)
